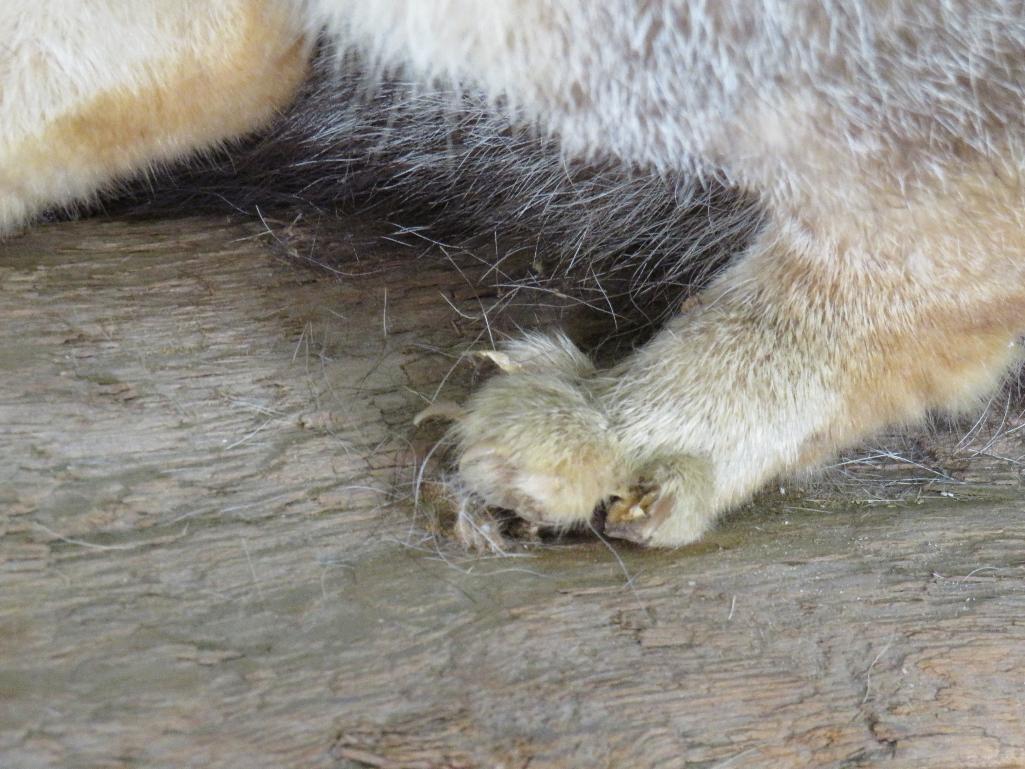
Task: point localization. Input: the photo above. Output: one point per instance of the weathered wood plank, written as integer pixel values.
(206, 556)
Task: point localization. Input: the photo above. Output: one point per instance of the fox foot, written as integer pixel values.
(639, 515)
(668, 504)
(536, 439)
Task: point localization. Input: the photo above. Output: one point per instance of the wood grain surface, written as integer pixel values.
(210, 557)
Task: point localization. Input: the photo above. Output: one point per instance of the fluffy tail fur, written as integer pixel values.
(452, 163)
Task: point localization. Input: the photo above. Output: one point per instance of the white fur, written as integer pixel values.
(673, 82)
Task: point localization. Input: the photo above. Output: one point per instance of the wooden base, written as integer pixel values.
(209, 555)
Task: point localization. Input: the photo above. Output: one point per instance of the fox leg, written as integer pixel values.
(93, 92)
(822, 333)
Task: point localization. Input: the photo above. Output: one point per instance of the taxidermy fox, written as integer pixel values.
(883, 139)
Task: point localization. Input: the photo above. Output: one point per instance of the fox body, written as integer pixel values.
(884, 141)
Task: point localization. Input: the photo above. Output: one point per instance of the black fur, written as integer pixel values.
(453, 164)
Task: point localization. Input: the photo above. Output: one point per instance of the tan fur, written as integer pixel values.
(831, 327)
(227, 86)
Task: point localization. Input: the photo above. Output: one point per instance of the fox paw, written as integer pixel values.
(636, 515)
(533, 438)
(536, 440)
(669, 504)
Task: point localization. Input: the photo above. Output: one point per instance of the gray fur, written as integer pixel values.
(917, 85)
(452, 164)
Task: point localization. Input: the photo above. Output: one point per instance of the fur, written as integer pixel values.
(882, 139)
(453, 166)
(96, 92)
